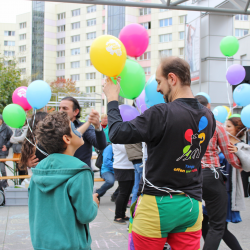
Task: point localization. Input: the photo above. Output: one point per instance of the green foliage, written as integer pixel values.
(10, 79)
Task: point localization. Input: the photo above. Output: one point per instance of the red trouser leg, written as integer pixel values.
(147, 243)
(185, 240)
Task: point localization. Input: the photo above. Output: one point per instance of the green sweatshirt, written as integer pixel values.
(61, 204)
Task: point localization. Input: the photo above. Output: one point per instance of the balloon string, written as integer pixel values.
(228, 97)
(34, 119)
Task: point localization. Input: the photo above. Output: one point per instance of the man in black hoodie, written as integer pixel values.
(5, 134)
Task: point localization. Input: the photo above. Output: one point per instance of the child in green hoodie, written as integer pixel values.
(61, 203)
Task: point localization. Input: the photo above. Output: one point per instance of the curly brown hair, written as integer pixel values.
(27, 148)
(236, 121)
(177, 66)
(51, 130)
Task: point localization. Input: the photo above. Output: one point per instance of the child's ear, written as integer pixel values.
(66, 139)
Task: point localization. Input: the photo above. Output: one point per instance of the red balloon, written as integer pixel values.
(188, 134)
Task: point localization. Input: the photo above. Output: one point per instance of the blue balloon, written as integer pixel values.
(205, 95)
(220, 114)
(152, 97)
(38, 94)
(241, 95)
(245, 116)
(203, 123)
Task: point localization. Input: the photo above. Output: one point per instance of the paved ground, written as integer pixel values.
(15, 235)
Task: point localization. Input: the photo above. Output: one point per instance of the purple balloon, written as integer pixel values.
(140, 102)
(235, 74)
(128, 113)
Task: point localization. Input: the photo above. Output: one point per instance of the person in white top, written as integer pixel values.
(124, 174)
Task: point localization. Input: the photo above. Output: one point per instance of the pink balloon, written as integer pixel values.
(135, 39)
(19, 97)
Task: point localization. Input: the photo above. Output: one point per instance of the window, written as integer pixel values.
(103, 7)
(60, 53)
(75, 64)
(22, 59)
(147, 70)
(23, 71)
(181, 35)
(145, 56)
(61, 16)
(165, 52)
(182, 19)
(240, 32)
(162, 10)
(90, 89)
(103, 19)
(87, 49)
(90, 76)
(60, 77)
(103, 32)
(241, 17)
(144, 11)
(61, 41)
(22, 37)
(75, 25)
(91, 35)
(91, 8)
(9, 53)
(146, 25)
(165, 38)
(61, 28)
(9, 43)
(181, 51)
(75, 77)
(9, 33)
(75, 38)
(22, 25)
(88, 63)
(76, 12)
(60, 66)
(149, 40)
(75, 51)
(22, 48)
(91, 22)
(165, 22)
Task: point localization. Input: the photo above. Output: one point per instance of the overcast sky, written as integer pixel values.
(10, 8)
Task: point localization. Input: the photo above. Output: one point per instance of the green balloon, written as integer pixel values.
(235, 115)
(229, 46)
(132, 80)
(14, 115)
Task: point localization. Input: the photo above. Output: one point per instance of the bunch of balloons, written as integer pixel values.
(36, 96)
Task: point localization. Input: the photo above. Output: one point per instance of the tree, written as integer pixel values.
(65, 86)
(10, 79)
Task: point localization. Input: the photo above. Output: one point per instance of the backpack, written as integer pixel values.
(99, 159)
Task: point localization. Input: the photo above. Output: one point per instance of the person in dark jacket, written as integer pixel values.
(5, 134)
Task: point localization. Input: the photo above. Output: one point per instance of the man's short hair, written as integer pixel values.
(76, 104)
(177, 66)
(51, 130)
(202, 100)
(103, 115)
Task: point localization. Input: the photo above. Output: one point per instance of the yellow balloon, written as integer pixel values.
(108, 55)
(228, 111)
(202, 136)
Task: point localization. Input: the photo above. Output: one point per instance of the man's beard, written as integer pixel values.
(167, 96)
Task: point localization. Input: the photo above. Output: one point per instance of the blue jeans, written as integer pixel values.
(109, 183)
(138, 175)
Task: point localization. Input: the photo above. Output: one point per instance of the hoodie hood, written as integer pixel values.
(56, 169)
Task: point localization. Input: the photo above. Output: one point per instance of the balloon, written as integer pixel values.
(229, 46)
(241, 95)
(235, 74)
(132, 80)
(135, 39)
(203, 123)
(19, 97)
(128, 112)
(235, 115)
(140, 102)
(228, 111)
(188, 134)
(206, 95)
(152, 97)
(245, 116)
(38, 94)
(14, 115)
(220, 114)
(108, 55)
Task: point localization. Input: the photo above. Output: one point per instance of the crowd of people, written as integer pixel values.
(169, 159)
